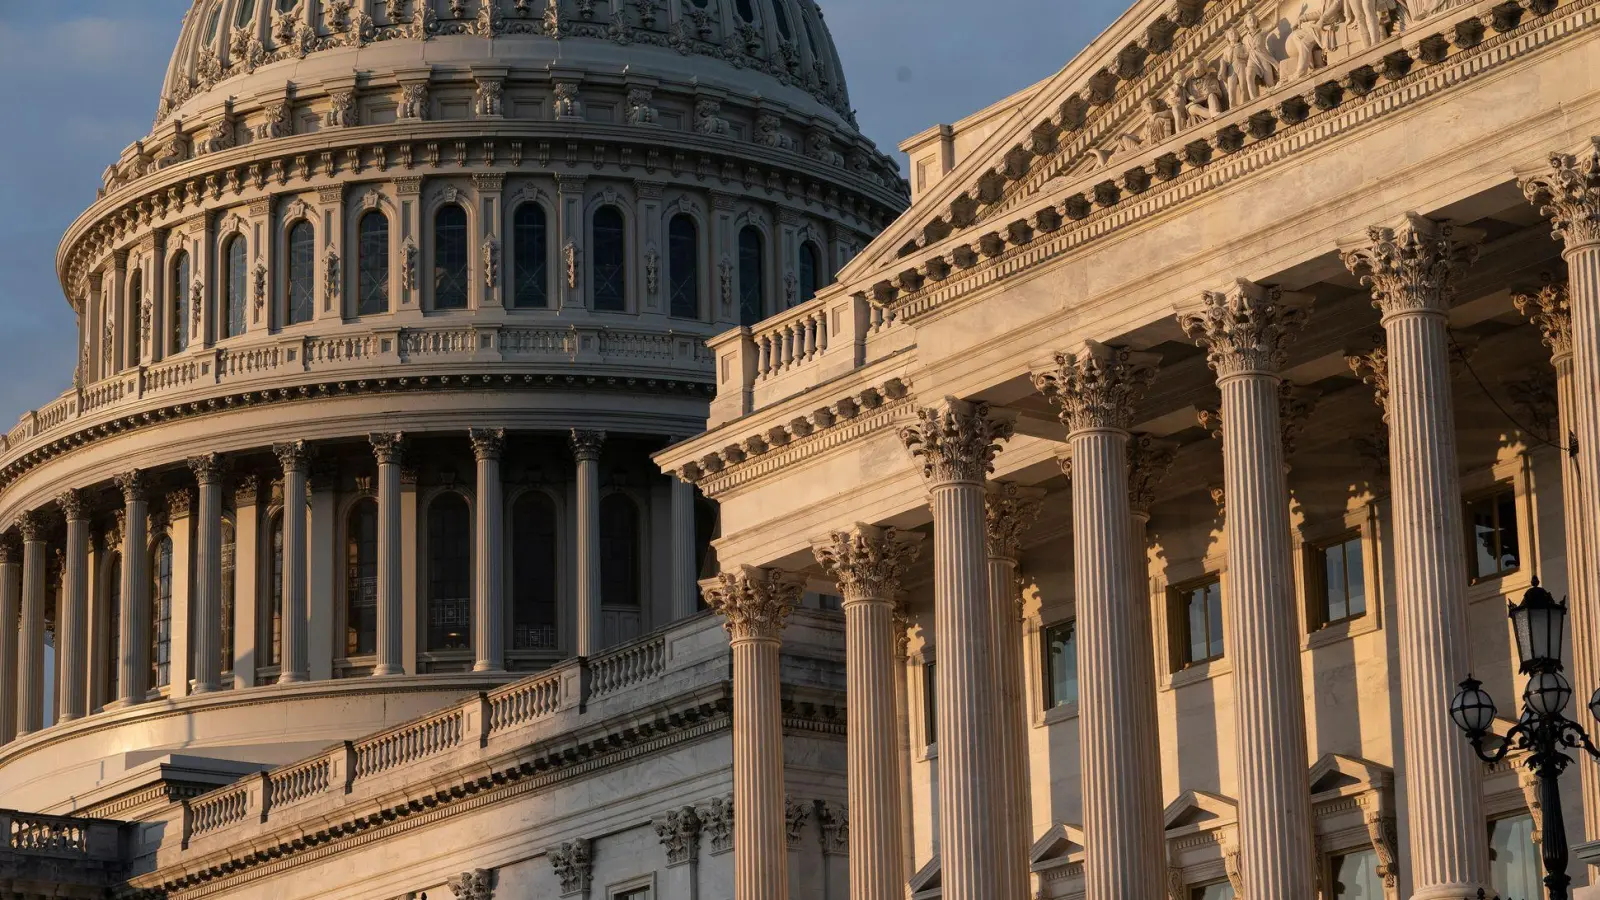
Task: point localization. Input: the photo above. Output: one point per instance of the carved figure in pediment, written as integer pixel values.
(1203, 88)
(1304, 43)
(1365, 18)
(1250, 67)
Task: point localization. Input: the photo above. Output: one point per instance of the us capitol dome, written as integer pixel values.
(378, 328)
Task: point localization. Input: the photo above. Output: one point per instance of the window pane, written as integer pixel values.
(619, 551)
(1197, 626)
(1061, 658)
(1514, 859)
(1355, 578)
(1481, 522)
(275, 613)
(751, 277)
(302, 287)
(136, 302)
(810, 271)
(1221, 890)
(532, 289)
(930, 705)
(361, 579)
(683, 268)
(1355, 877)
(449, 574)
(234, 281)
(1213, 593)
(114, 604)
(450, 258)
(1333, 582)
(1492, 531)
(179, 303)
(161, 614)
(534, 589)
(610, 265)
(229, 553)
(372, 289)
(1506, 521)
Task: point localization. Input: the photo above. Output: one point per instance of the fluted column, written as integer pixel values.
(1411, 268)
(72, 612)
(488, 614)
(1096, 390)
(10, 610)
(1009, 512)
(868, 564)
(133, 637)
(956, 443)
(30, 640)
(1246, 331)
(902, 730)
(1149, 460)
(208, 469)
(755, 603)
(685, 597)
(293, 655)
(388, 448)
(586, 450)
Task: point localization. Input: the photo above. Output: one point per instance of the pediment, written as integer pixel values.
(1200, 808)
(1060, 844)
(1337, 772)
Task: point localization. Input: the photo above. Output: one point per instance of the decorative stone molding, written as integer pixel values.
(1009, 511)
(1149, 461)
(1372, 367)
(956, 441)
(1294, 410)
(1412, 266)
(867, 562)
(74, 504)
(1097, 387)
(208, 467)
(1384, 833)
(132, 484)
(487, 443)
(1246, 329)
(573, 865)
(1569, 194)
(179, 502)
(755, 602)
(679, 832)
(716, 820)
(1550, 309)
(293, 455)
(474, 885)
(834, 820)
(795, 815)
(586, 445)
(388, 447)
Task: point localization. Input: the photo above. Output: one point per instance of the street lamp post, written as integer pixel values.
(1539, 623)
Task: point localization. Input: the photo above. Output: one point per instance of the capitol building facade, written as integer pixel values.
(539, 448)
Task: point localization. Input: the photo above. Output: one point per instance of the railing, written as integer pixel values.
(341, 349)
(636, 344)
(218, 809)
(409, 743)
(536, 341)
(48, 834)
(790, 340)
(620, 669)
(433, 343)
(524, 702)
(298, 782)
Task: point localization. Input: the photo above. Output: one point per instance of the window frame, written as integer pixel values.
(696, 280)
(428, 654)
(762, 274)
(227, 281)
(1501, 488)
(545, 257)
(512, 586)
(1048, 703)
(593, 263)
(286, 318)
(347, 566)
(1180, 640)
(269, 608)
(179, 333)
(357, 297)
(1317, 581)
(467, 261)
(160, 541)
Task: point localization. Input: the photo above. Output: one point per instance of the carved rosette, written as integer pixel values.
(1009, 511)
(487, 443)
(867, 562)
(573, 864)
(74, 503)
(388, 447)
(1245, 330)
(292, 456)
(1372, 367)
(1569, 194)
(208, 468)
(755, 602)
(1550, 309)
(586, 444)
(1411, 267)
(475, 885)
(1149, 461)
(1098, 387)
(132, 484)
(679, 832)
(956, 441)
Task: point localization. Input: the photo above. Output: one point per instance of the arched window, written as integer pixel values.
(212, 21)
(302, 280)
(161, 612)
(450, 258)
(683, 267)
(533, 573)
(229, 553)
(233, 285)
(610, 264)
(246, 9)
(746, 11)
(532, 289)
(449, 573)
(782, 19)
(752, 274)
(810, 271)
(372, 263)
(136, 304)
(619, 551)
(361, 579)
(108, 316)
(178, 302)
(113, 596)
(272, 620)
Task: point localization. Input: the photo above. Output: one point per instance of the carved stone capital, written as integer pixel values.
(388, 447)
(573, 865)
(956, 441)
(475, 885)
(716, 821)
(179, 502)
(1372, 367)
(679, 832)
(1569, 194)
(31, 526)
(132, 484)
(1149, 461)
(867, 562)
(1246, 329)
(1550, 309)
(755, 602)
(1097, 387)
(586, 444)
(834, 819)
(487, 443)
(111, 538)
(208, 467)
(247, 490)
(1412, 266)
(795, 814)
(74, 503)
(292, 456)
(1009, 511)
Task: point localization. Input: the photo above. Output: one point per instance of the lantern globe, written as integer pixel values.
(1548, 693)
(1472, 709)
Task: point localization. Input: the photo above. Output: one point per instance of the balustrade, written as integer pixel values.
(628, 666)
(218, 809)
(298, 782)
(524, 702)
(409, 743)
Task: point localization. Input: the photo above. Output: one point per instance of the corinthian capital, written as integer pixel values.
(1550, 310)
(1246, 329)
(754, 601)
(388, 447)
(132, 484)
(586, 444)
(487, 443)
(1149, 460)
(1412, 266)
(74, 504)
(292, 456)
(956, 441)
(1372, 367)
(1096, 387)
(31, 526)
(1570, 195)
(868, 562)
(207, 467)
(1009, 511)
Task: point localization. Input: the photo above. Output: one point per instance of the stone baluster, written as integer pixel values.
(72, 610)
(1411, 268)
(30, 647)
(956, 443)
(869, 564)
(133, 638)
(388, 448)
(586, 450)
(488, 614)
(294, 663)
(209, 470)
(1009, 511)
(685, 595)
(755, 603)
(1246, 331)
(1096, 390)
(10, 610)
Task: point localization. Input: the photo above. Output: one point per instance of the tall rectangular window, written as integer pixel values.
(1196, 610)
(1217, 890)
(1355, 876)
(1514, 866)
(1338, 570)
(1060, 664)
(1492, 549)
(930, 704)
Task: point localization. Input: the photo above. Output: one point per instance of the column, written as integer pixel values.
(1411, 269)
(1009, 511)
(410, 572)
(387, 447)
(1246, 331)
(247, 576)
(208, 469)
(755, 603)
(902, 729)
(293, 458)
(72, 614)
(30, 639)
(685, 598)
(586, 450)
(1148, 462)
(488, 606)
(956, 443)
(322, 544)
(180, 512)
(10, 609)
(133, 638)
(1096, 390)
(869, 564)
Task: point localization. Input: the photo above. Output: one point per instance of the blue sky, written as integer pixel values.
(83, 78)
